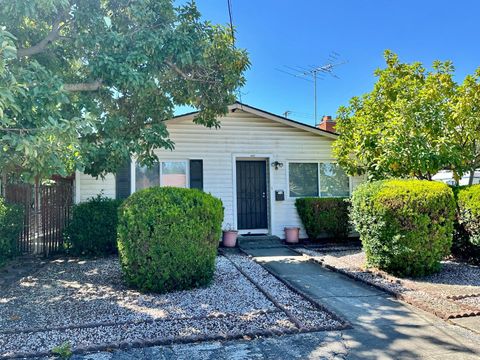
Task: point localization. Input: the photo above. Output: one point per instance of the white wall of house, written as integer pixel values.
(241, 135)
(87, 186)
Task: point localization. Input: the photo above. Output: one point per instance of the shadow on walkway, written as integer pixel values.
(382, 326)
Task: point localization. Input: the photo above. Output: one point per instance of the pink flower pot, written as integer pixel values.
(229, 238)
(292, 234)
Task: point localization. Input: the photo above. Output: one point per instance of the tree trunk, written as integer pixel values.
(472, 175)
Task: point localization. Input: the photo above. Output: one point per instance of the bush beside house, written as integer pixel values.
(466, 242)
(11, 224)
(324, 216)
(92, 230)
(405, 226)
(168, 238)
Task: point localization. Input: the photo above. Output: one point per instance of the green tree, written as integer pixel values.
(87, 83)
(403, 127)
(466, 125)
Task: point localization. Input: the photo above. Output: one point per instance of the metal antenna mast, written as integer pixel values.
(313, 73)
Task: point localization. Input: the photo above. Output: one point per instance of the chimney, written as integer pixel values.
(327, 124)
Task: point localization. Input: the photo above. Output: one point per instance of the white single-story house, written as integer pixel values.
(257, 163)
(446, 176)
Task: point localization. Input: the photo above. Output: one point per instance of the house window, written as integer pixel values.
(165, 173)
(174, 173)
(146, 177)
(303, 179)
(333, 181)
(317, 179)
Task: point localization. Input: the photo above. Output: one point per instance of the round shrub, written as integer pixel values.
(405, 226)
(468, 201)
(168, 238)
(92, 230)
(324, 216)
(11, 224)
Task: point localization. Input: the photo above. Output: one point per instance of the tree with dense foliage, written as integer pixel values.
(405, 126)
(86, 84)
(466, 124)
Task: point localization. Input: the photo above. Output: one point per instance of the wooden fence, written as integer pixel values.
(53, 213)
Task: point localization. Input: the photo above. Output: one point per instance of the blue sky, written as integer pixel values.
(301, 33)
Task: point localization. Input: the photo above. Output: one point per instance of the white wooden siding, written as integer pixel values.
(88, 186)
(241, 134)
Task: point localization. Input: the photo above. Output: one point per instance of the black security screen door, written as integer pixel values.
(252, 195)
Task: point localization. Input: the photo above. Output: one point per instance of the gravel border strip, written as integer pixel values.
(130, 322)
(407, 296)
(460, 297)
(344, 323)
(155, 342)
(290, 316)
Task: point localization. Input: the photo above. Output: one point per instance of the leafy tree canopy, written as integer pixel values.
(404, 126)
(413, 123)
(87, 83)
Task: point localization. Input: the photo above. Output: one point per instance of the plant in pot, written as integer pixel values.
(292, 234)
(229, 238)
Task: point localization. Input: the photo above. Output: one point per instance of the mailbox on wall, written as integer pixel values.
(279, 195)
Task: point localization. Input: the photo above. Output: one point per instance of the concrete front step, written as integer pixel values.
(259, 241)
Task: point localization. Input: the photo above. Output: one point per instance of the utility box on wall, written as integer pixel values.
(279, 195)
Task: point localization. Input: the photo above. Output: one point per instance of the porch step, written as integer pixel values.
(259, 241)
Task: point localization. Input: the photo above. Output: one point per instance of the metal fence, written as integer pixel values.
(43, 227)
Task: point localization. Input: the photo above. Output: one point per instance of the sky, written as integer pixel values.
(300, 33)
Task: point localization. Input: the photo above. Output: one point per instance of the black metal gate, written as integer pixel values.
(252, 195)
(43, 227)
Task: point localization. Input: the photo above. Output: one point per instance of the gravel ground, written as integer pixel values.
(87, 304)
(453, 292)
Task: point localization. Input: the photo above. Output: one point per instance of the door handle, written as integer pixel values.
(264, 195)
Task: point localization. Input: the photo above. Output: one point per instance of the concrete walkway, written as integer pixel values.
(383, 328)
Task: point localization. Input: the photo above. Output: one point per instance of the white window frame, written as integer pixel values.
(133, 174)
(318, 162)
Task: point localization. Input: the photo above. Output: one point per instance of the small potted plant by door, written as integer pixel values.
(292, 234)
(229, 238)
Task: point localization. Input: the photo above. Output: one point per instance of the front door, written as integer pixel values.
(252, 195)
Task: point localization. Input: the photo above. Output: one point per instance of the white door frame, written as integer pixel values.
(270, 217)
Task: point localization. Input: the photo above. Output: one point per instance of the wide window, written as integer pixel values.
(317, 179)
(165, 173)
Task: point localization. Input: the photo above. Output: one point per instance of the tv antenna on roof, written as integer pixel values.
(312, 73)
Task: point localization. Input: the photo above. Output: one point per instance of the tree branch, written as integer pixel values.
(185, 76)
(91, 86)
(42, 45)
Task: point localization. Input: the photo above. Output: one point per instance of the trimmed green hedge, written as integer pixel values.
(92, 230)
(466, 242)
(468, 201)
(328, 216)
(168, 238)
(11, 224)
(405, 226)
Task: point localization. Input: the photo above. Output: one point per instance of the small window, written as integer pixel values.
(333, 181)
(174, 173)
(146, 177)
(303, 179)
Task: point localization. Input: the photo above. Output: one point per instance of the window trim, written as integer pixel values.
(318, 162)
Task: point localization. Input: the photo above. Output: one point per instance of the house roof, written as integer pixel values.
(267, 115)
